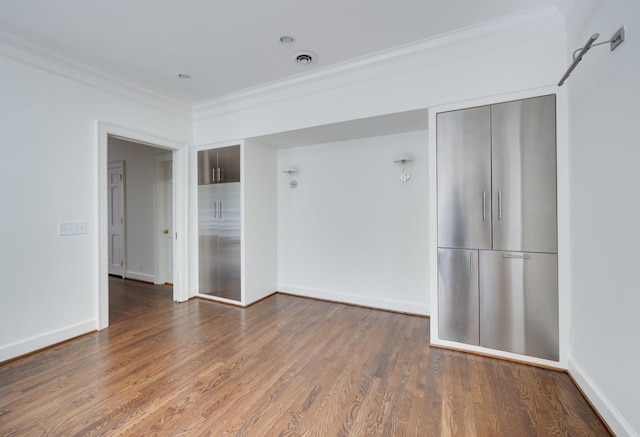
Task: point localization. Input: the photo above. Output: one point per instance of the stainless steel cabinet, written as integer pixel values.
(523, 163)
(458, 295)
(496, 175)
(219, 255)
(464, 178)
(519, 302)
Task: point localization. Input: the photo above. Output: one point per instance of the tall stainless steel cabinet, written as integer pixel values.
(496, 168)
(219, 222)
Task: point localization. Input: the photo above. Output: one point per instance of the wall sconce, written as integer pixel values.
(291, 171)
(403, 159)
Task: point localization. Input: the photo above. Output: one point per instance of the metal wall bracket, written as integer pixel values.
(617, 38)
(614, 42)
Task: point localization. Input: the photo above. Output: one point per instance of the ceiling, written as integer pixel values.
(227, 46)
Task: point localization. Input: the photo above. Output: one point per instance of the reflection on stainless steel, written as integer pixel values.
(229, 241)
(519, 303)
(219, 223)
(458, 316)
(207, 239)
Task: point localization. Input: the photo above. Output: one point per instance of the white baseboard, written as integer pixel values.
(607, 410)
(354, 299)
(144, 277)
(32, 344)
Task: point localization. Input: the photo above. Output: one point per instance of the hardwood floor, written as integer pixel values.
(129, 298)
(286, 366)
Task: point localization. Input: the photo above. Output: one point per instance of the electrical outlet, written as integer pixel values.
(72, 228)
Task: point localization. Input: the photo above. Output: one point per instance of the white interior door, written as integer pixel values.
(165, 233)
(116, 218)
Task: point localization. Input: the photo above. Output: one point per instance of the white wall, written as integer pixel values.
(140, 168)
(351, 231)
(525, 52)
(49, 174)
(604, 91)
(259, 219)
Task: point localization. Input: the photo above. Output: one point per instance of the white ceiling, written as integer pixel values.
(232, 45)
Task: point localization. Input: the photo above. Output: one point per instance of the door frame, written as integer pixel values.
(159, 217)
(180, 162)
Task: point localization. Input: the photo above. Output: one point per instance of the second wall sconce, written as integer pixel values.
(403, 159)
(291, 171)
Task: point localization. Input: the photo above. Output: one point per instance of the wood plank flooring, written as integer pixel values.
(286, 366)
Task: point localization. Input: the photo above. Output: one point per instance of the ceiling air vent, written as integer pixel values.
(305, 58)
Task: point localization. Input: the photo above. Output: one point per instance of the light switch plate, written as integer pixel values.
(72, 228)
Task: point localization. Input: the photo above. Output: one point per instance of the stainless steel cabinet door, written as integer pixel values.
(519, 303)
(458, 307)
(208, 239)
(524, 175)
(229, 164)
(229, 240)
(464, 178)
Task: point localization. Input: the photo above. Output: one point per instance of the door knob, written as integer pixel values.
(166, 231)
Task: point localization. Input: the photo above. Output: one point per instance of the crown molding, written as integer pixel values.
(564, 6)
(366, 67)
(36, 56)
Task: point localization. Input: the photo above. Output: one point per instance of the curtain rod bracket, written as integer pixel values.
(614, 42)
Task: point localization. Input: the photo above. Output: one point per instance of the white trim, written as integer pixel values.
(220, 299)
(180, 161)
(564, 282)
(402, 306)
(493, 352)
(144, 277)
(564, 6)
(599, 400)
(32, 344)
(356, 70)
(47, 60)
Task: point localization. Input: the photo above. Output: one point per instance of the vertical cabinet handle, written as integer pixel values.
(484, 204)
(499, 204)
(470, 263)
(220, 174)
(220, 209)
(218, 178)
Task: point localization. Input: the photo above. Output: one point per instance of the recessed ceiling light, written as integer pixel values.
(184, 76)
(287, 40)
(305, 57)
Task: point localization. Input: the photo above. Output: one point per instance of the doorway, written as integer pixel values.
(135, 265)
